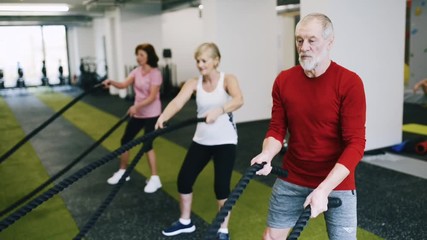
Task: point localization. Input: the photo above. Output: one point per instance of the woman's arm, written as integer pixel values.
(154, 90)
(231, 86)
(178, 102)
(129, 80)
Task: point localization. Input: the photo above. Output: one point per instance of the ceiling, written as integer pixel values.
(84, 7)
(80, 12)
(83, 11)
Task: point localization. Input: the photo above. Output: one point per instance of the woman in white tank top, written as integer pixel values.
(217, 96)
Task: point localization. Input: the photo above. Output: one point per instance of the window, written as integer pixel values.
(27, 47)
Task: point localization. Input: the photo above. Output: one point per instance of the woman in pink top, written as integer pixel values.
(146, 80)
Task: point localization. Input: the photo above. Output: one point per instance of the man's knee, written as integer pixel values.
(275, 234)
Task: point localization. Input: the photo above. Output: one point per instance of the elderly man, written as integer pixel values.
(322, 105)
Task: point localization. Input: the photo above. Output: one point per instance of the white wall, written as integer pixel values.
(245, 31)
(182, 32)
(366, 43)
(141, 24)
(248, 48)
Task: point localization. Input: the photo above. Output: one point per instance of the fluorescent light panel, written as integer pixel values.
(25, 7)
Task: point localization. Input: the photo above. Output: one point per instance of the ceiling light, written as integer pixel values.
(24, 7)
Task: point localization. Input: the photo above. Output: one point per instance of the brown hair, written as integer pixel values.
(152, 58)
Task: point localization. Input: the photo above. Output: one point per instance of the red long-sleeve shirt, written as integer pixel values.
(325, 117)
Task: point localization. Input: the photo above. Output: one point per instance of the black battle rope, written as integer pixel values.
(89, 224)
(46, 123)
(305, 216)
(235, 194)
(6, 222)
(64, 170)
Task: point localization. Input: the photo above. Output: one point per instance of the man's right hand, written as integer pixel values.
(260, 159)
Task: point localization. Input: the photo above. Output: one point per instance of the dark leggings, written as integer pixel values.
(135, 125)
(198, 157)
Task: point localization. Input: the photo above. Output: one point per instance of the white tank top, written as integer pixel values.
(223, 130)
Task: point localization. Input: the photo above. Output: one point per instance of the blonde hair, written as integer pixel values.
(208, 46)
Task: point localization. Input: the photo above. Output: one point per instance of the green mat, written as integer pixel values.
(21, 173)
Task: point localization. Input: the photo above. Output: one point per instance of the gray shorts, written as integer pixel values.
(286, 205)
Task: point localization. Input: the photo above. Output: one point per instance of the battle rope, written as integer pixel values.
(64, 170)
(235, 194)
(46, 123)
(89, 224)
(6, 222)
(305, 216)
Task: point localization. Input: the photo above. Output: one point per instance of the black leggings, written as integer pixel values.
(198, 157)
(135, 125)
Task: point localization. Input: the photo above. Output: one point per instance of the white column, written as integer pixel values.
(73, 52)
(114, 44)
(246, 33)
(369, 39)
(286, 40)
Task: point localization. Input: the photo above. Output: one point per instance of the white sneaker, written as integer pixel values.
(153, 184)
(116, 177)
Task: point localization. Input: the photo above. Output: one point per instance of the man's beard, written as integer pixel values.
(311, 63)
